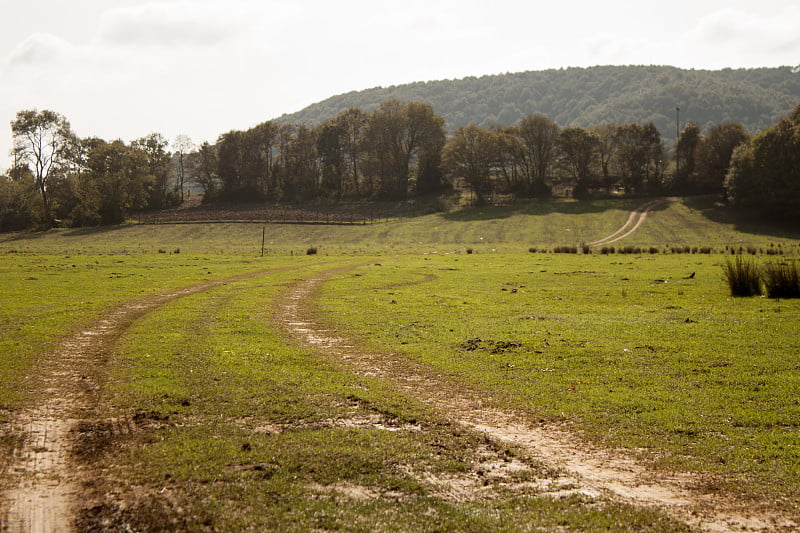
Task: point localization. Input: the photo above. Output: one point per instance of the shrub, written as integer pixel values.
(744, 276)
(630, 250)
(565, 250)
(782, 280)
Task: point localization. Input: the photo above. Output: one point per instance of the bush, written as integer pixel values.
(744, 276)
(565, 250)
(782, 280)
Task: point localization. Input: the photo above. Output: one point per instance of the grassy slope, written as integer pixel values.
(508, 229)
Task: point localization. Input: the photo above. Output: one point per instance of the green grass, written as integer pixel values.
(45, 296)
(503, 229)
(624, 347)
(247, 432)
(234, 427)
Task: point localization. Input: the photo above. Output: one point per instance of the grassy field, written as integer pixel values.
(627, 348)
(693, 223)
(229, 425)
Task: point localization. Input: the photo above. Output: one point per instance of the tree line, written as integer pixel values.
(397, 152)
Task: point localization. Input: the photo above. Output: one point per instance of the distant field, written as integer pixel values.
(503, 229)
(211, 416)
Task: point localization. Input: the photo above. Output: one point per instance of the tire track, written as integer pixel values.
(596, 472)
(635, 219)
(41, 480)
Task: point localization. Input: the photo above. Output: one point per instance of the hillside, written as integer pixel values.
(586, 97)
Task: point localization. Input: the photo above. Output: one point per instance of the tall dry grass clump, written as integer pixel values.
(743, 275)
(782, 280)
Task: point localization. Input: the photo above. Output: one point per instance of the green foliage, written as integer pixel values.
(712, 156)
(114, 181)
(590, 97)
(765, 173)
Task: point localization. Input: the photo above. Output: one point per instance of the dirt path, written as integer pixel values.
(589, 470)
(634, 222)
(41, 482)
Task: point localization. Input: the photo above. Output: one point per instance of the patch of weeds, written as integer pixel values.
(743, 276)
(782, 280)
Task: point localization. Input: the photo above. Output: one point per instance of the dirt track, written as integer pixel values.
(634, 222)
(589, 470)
(40, 483)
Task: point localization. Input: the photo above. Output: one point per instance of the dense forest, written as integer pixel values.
(397, 151)
(588, 97)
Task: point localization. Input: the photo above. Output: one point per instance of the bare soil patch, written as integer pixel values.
(585, 469)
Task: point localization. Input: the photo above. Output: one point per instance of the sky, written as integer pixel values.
(127, 68)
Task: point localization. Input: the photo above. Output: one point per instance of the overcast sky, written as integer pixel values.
(125, 68)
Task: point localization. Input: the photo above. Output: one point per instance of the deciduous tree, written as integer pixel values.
(685, 146)
(539, 135)
(182, 145)
(713, 156)
(42, 140)
(579, 150)
(469, 155)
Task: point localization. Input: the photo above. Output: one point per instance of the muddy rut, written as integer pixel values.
(588, 470)
(41, 485)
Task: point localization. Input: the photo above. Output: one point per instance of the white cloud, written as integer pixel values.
(170, 24)
(40, 50)
(751, 35)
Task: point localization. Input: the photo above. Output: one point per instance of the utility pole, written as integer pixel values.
(677, 139)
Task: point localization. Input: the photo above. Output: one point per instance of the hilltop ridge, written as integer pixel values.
(587, 97)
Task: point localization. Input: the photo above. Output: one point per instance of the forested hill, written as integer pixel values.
(755, 98)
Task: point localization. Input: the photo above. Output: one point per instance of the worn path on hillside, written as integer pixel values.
(591, 471)
(634, 222)
(40, 484)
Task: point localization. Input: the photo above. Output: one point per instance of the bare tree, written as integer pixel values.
(182, 145)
